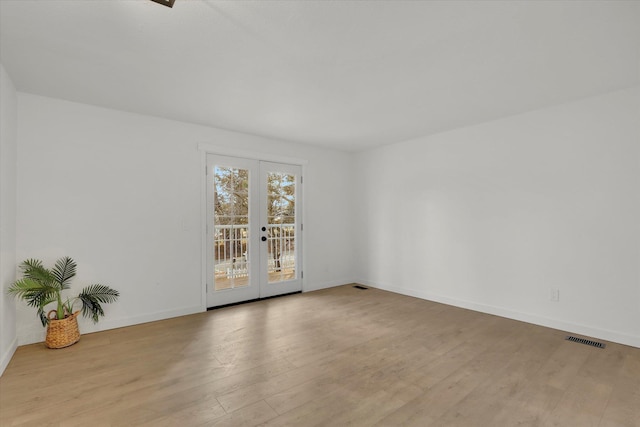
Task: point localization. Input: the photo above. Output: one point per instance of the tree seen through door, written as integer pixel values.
(281, 207)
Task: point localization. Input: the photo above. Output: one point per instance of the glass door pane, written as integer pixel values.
(281, 227)
(231, 227)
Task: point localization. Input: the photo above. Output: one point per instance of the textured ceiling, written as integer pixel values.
(342, 74)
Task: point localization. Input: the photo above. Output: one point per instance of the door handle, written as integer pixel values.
(264, 238)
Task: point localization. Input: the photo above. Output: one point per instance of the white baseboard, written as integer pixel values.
(26, 338)
(604, 334)
(106, 324)
(6, 357)
(146, 318)
(324, 285)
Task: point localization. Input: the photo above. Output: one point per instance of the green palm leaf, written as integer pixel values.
(92, 296)
(33, 269)
(42, 314)
(32, 291)
(35, 294)
(64, 271)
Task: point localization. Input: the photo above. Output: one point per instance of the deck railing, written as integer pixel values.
(231, 255)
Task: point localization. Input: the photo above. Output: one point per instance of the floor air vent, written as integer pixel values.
(585, 341)
(360, 287)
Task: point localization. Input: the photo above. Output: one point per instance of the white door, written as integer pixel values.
(253, 233)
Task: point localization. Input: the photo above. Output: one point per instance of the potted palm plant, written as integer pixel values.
(40, 287)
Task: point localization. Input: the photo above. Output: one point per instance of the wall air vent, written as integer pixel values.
(585, 341)
(168, 3)
(360, 287)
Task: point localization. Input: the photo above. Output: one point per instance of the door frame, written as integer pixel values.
(247, 154)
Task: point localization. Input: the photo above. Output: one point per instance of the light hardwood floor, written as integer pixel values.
(335, 357)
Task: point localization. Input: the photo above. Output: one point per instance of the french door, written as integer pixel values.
(253, 229)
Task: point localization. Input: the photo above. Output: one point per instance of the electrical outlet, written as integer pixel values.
(555, 295)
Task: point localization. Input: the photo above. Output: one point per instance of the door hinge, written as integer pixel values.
(206, 170)
(301, 227)
(301, 179)
(302, 274)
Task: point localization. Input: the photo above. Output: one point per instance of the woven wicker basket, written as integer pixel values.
(62, 333)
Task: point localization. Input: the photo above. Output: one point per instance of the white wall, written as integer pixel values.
(116, 190)
(8, 126)
(492, 217)
(489, 217)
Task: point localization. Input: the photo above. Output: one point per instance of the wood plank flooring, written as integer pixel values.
(335, 357)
